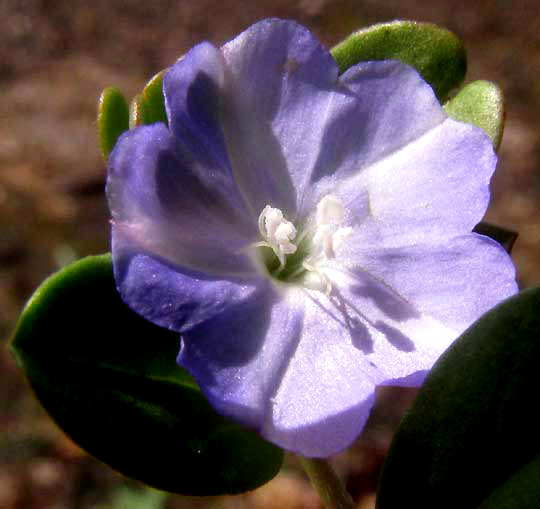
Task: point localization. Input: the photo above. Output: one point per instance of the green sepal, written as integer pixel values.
(109, 379)
(437, 54)
(473, 424)
(112, 119)
(480, 103)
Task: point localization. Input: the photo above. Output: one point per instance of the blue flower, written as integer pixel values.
(307, 235)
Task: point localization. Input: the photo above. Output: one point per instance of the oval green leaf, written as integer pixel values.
(109, 379)
(148, 107)
(154, 101)
(112, 119)
(137, 111)
(480, 103)
(437, 54)
(474, 423)
(521, 491)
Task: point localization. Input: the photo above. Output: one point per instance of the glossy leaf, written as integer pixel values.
(154, 102)
(506, 238)
(521, 491)
(112, 119)
(109, 379)
(480, 103)
(474, 423)
(149, 106)
(436, 53)
(137, 112)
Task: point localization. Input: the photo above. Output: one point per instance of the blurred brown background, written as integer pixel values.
(57, 56)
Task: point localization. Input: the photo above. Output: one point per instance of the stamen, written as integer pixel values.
(277, 232)
(328, 236)
(312, 246)
(316, 280)
(330, 210)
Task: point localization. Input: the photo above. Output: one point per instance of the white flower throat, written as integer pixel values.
(300, 256)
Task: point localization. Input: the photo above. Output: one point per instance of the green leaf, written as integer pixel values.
(480, 103)
(112, 119)
(149, 106)
(126, 497)
(437, 54)
(521, 491)
(137, 112)
(154, 101)
(109, 379)
(474, 423)
(506, 238)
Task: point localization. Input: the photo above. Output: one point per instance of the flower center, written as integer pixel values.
(294, 258)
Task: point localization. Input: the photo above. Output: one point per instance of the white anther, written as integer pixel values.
(329, 216)
(284, 233)
(328, 236)
(277, 233)
(330, 211)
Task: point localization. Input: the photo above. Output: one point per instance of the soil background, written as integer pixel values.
(56, 57)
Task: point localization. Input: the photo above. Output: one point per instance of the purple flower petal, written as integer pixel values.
(171, 296)
(193, 100)
(350, 343)
(390, 107)
(238, 356)
(279, 90)
(302, 369)
(170, 205)
(382, 156)
(376, 109)
(266, 121)
(455, 282)
(437, 185)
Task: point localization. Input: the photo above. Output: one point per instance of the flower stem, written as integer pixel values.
(328, 485)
